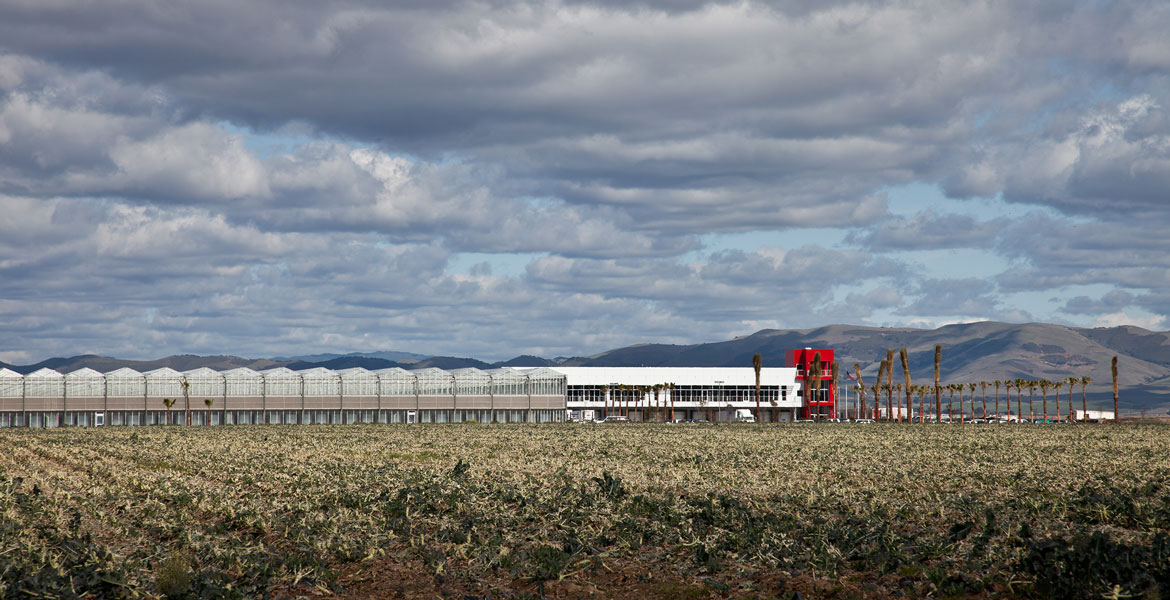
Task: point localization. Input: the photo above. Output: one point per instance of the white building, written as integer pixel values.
(663, 393)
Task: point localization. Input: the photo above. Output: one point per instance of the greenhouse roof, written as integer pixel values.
(393, 372)
(163, 372)
(44, 373)
(318, 373)
(279, 372)
(544, 372)
(505, 373)
(242, 372)
(84, 372)
(469, 372)
(202, 372)
(7, 373)
(124, 372)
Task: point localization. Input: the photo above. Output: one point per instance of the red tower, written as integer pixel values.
(821, 404)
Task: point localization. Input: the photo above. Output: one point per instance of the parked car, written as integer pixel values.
(615, 419)
(864, 421)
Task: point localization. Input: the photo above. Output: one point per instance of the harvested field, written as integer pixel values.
(578, 511)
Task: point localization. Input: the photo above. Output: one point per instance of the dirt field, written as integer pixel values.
(587, 511)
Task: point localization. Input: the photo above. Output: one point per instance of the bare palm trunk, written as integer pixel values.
(937, 389)
(890, 383)
(1116, 415)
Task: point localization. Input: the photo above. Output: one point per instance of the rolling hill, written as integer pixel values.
(971, 352)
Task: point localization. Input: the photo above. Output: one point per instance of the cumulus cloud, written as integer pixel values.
(928, 230)
(280, 177)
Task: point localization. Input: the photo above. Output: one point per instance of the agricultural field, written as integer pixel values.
(579, 511)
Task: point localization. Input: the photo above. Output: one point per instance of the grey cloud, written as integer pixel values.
(1110, 302)
(954, 297)
(1055, 253)
(606, 138)
(928, 230)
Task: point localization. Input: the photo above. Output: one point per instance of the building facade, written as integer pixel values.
(85, 397)
(674, 393)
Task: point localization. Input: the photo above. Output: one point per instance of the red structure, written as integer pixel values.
(821, 404)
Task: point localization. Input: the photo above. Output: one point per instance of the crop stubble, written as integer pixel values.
(582, 510)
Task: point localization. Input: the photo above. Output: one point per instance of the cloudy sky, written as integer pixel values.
(501, 177)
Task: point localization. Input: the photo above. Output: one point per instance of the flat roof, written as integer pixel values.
(778, 376)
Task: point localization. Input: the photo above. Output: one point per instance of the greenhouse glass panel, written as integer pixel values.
(281, 382)
(321, 382)
(11, 384)
(472, 382)
(125, 383)
(164, 383)
(243, 382)
(435, 382)
(546, 382)
(396, 382)
(44, 383)
(205, 383)
(358, 382)
(85, 383)
(507, 382)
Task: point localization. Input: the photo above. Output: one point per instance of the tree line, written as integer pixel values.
(899, 411)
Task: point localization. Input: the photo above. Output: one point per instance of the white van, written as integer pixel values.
(743, 415)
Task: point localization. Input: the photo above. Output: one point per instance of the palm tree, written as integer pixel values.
(937, 391)
(169, 402)
(951, 401)
(921, 403)
(1084, 403)
(890, 382)
(972, 386)
(906, 375)
(877, 397)
(860, 391)
(880, 385)
(1020, 384)
(814, 379)
(757, 364)
(983, 384)
(1057, 385)
(1044, 390)
(186, 398)
(962, 409)
(1116, 415)
(996, 383)
(1031, 393)
(834, 387)
(208, 402)
(604, 401)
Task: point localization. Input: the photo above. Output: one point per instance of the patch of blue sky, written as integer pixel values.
(750, 241)
(286, 140)
(912, 198)
(498, 264)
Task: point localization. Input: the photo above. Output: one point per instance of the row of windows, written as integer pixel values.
(279, 387)
(680, 393)
(277, 417)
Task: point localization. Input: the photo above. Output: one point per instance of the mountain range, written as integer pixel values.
(971, 352)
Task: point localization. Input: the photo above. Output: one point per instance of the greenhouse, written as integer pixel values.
(85, 397)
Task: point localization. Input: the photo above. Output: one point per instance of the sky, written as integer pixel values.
(506, 177)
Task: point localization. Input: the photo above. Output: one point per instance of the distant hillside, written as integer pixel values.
(388, 355)
(184, 362)
(971, 352)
